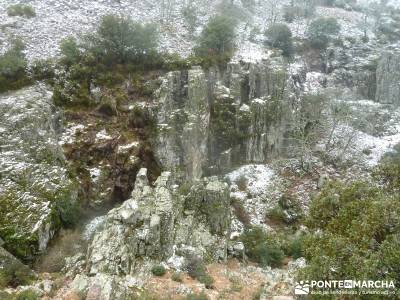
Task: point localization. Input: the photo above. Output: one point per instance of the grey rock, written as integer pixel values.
(33, 176)
(208, 121)
(152, 226)
(236, 249)
(388, 79)
(9, 264)
(103, 286)
(80, 284)
(74, 265)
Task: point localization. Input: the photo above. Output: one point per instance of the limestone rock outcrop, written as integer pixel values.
(182, 120)
(10, 267)
(207, 121)
(35, 189)
(388, 79)
(159, 222)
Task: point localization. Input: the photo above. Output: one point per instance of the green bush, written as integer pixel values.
(158, 270)
(229, 9)
(354, 233)
(299, 9)
(21, 10)
(14, 274)
(207, 280)
(119, 40)
(13, 68)
(177, 276)
(70, 52)
(257, 293)
(288, 210)
(280, 36)
(197, 270)
(27, 295)
(321, 30)
(262, 248)
(42, 69)
(5, 296)
(201, 296)
(388, 171)
(295, 247)
(216, 42)
(118, 48)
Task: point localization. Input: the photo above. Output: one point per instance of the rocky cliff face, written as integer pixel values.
(35, 190)
(183, 118)
(388, 78)
(209, 121)
(160, 223)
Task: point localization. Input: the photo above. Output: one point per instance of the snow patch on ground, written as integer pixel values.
(370, 130)
(257, 188)
(374, 148)
(257, 177)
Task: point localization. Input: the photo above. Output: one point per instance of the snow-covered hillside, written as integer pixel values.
(56, 20)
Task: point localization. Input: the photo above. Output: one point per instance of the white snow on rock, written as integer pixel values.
(33, 175)
(94, 174)
(103, 136)
(314, 82)
(128, 147)
(257, 177)
(92, 226)
(69, 134)
(375, 147)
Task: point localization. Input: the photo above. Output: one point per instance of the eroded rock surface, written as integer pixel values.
(160, 222)
(36, 192)
(388, 78)
(207, 121)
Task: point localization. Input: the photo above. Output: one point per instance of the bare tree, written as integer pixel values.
(272, 10)
(342, 132)
(308, 127)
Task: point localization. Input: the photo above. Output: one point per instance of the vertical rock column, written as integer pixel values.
(388, 79)
(195, 132)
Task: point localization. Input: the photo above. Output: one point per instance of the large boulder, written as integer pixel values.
(158, 222)
(36, 192)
